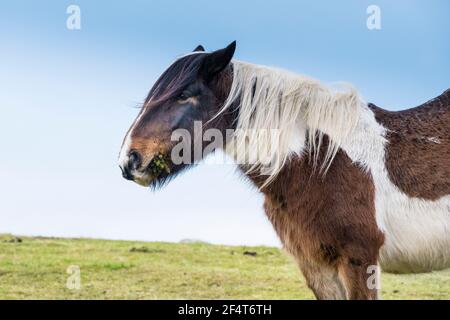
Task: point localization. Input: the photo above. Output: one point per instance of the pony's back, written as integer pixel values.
(418, 152)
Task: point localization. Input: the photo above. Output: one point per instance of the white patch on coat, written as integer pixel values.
(434, 140)
(124, 150)
(126, 145)
(417, 231)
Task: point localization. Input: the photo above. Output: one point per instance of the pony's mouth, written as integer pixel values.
(158, 168)
(159, 165)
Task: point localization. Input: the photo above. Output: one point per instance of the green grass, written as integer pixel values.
(36, 268)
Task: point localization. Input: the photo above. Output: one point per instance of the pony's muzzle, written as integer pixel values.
(133, 163)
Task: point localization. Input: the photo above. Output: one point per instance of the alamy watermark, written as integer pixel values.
(247, 147)
(74, 279)
(373, 280)
(73, 21)
(373, 21)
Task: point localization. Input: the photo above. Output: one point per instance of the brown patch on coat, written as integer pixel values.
(326, 220)
(418, 149)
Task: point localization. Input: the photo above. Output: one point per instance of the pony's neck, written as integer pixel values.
(281, 113)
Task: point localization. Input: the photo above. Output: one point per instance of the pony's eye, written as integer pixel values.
(184, 95)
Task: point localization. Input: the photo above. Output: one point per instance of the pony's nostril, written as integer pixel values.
(126, 173)
(134, 160)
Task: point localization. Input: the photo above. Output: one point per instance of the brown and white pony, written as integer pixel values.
(350, 186)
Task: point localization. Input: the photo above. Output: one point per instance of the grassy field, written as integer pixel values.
(36, 268)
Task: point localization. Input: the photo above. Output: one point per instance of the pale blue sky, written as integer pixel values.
(67, 98)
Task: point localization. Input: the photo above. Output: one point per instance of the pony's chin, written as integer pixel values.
(151, 181)
(164, 178)
(144, 181)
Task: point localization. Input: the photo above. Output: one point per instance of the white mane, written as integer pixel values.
(277, 109)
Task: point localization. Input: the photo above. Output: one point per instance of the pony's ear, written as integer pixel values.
(199, 48)
(217, 61)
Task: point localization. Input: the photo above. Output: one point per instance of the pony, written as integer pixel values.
(349, 187)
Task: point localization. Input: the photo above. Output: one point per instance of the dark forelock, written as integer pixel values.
(180, 74)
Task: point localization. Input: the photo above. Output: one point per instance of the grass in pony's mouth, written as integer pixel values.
(159, 165)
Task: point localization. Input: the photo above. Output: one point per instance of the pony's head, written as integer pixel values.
(262, 115)
(192, 90)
